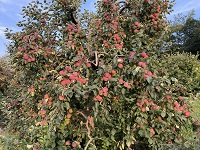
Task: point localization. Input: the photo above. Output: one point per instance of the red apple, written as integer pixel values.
(121, 81)
(74, 144)
(62, 73)
(67, 143)
(120, 60)
(65, 81)
(143, 54)
(152, 131)
(61, 97)
(136, 31)
(43, 21)
(120, 65)
(187, 114)
(26, 57)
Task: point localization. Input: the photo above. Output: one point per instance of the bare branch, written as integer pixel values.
(79, 112)
(72, 17)
(88, 128)
(88, 134)
(96, 58)
(126, 5)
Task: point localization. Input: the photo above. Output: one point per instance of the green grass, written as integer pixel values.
(196, 107)
(188, 132)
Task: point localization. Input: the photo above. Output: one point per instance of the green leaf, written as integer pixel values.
(115, 60)
(100, 72)
(113, 131)
(150, 141)
(67, 105)
(163, 114)
(123, 91)
(141, 132)
(149, 79)
(187, 145)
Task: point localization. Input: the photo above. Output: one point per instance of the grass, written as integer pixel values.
(1, 146)
(195, 104)
(196, 107)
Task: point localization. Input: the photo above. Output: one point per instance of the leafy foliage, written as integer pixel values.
(85, 81)
(181, 66)
(5, 77)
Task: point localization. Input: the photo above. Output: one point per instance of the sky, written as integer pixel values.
(10, 14)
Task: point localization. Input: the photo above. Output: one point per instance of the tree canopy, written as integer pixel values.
(186, 34)
(85, 81)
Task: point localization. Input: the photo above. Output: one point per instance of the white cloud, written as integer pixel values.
(185, 6)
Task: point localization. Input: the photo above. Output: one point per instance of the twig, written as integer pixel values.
(88, 133)
(73, 18)
(88, 129)
(96, 58)
(79, 112)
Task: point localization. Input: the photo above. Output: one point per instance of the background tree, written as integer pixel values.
(185, 33)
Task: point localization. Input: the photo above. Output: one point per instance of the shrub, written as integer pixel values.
(5, 76)
(87, 83)
(182, 66)
(191, 143)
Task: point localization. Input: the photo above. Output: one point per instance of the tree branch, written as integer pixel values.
(126, 5)
(72, 16)
(88, 133)
(96, 59)
(79, 112)
(88, 129)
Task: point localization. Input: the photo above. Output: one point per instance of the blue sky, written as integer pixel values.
(10, 14)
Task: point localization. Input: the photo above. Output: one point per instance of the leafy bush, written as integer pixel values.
(191, 143)
(182, 66)
(5, 77)
(87, 83)
(184, 69)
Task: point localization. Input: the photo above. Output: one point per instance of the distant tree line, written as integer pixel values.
(185, 34)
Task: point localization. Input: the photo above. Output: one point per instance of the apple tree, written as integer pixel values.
(84, 80)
